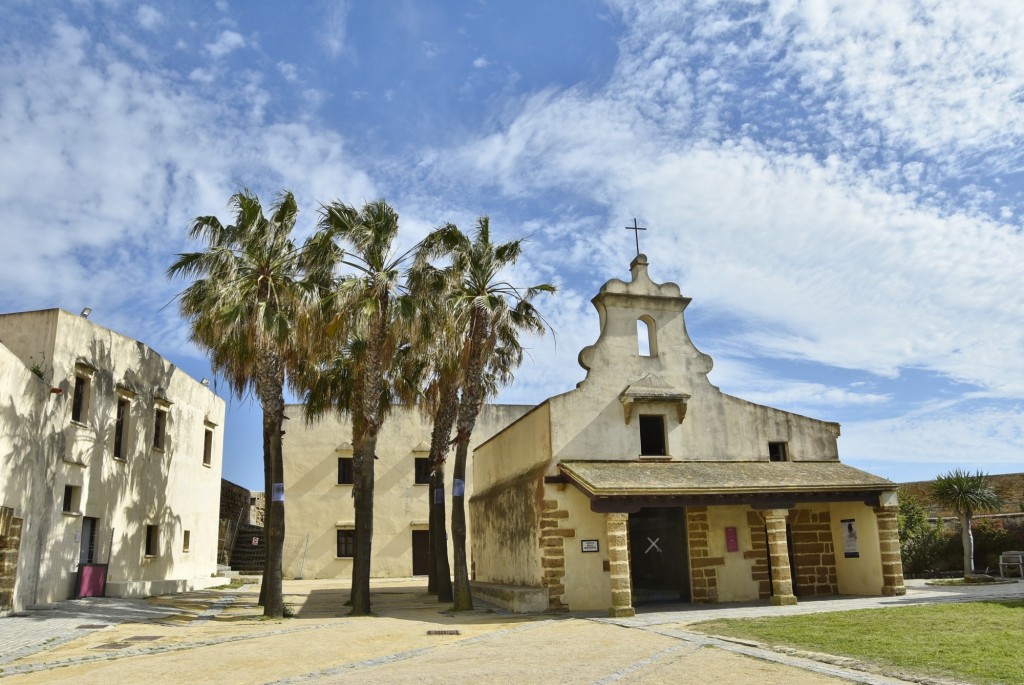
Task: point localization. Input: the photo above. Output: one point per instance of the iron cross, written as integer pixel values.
(636, 232)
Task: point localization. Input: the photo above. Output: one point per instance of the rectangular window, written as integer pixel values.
(652, 435)
(121, 428)
(422, 470)
(207, 446)
(777, 451)
(186, 541)
(152, 541)
(346, 543)
(79, 403)
(159, 428)
(345, 471)
(72, 499)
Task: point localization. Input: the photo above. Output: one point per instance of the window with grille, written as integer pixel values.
(422, 471)
(346, 543)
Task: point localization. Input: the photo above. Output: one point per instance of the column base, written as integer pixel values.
(894, 591)
(621, 612)
(783, 600)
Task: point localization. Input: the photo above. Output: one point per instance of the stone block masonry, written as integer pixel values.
(553, 534)
(10, 541)
(703, 567)
(814, 558)
(759, 572)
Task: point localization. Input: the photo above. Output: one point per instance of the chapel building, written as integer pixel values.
(647, 483)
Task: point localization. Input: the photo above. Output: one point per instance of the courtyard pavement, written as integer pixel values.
(219, 636)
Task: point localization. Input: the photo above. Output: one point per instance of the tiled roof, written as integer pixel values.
(610, 478)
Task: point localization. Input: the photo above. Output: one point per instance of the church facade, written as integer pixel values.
(648, 483)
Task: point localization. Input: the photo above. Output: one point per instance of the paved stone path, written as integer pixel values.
(488, 645)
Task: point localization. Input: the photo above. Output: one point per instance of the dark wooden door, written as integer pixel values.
(420, 552)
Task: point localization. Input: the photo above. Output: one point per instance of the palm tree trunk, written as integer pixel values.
(967, 538)
(267, 482)
(469, 408)
(439, 537)
(363, 454)
(444, 419)
(270, 384)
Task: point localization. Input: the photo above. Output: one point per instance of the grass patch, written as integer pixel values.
(975, 641)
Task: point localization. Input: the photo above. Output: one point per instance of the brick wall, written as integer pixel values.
(814, 556)
(10, 540)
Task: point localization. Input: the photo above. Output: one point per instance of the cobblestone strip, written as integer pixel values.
(806, 661)
(401, 656)
(644, 663)
(149, 650)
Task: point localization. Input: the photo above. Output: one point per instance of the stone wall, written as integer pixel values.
(234, 499)
(553, 533)
(10, 540)
(759, 572)
(703, 567)
(814, 558)
(1010, 487)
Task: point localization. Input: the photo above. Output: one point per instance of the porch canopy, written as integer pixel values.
(628, 486)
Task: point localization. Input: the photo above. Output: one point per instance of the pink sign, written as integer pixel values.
(732, 543)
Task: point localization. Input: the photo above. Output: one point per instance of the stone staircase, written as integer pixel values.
(249, 551)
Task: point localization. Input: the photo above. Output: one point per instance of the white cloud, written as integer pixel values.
(333, 31)
(227, 42)
(148, 17)
(288, 71)
(201, 75)
(104, 165)
(480, 63)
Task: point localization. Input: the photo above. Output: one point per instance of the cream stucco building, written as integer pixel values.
(647, 483)
(319, 512)
(110, 463)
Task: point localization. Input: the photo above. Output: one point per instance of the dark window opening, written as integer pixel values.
(159, 428)
(777, 451)
(151, 541)
(345, 471)
(69, 498)
(78, 402)
(346, 543)
(422, 470)
(186, 541)
(652, 435)
(123, 406)
(207, 447)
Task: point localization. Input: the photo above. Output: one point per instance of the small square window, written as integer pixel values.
(207, 446)
(152, 541)
(777, 451)
(345, 476)
(159, 428)
(652, 435)
(186, 541)
(346, 543)
(80, 399)
(422, 471)
(72, 499)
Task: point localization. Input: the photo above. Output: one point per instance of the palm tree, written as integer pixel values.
(491, 314)
(368, 312)
(965, 493)
(251, 284)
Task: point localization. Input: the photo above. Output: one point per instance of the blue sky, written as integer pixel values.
(838, 186)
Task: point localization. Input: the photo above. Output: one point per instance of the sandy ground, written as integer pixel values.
(411, 640)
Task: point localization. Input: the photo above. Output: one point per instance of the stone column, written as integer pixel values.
(778, 557)
(889, 544)
(618, 563)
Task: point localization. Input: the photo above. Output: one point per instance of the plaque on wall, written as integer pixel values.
(589, 545)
